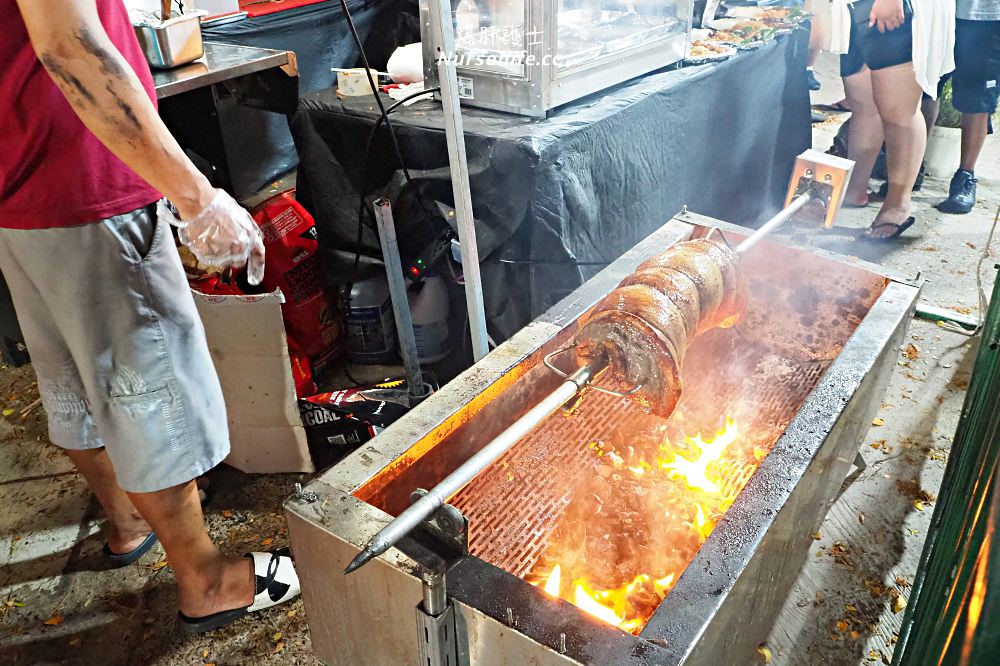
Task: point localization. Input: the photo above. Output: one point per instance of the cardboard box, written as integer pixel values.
(246, 338)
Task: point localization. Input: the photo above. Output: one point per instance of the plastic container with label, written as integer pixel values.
(429, 310)
(371, 327)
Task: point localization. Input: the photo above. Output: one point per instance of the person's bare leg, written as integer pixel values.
(974, 130)
(929, 109)
(207, 581)
(812, 58)
(897, 96)
(865, 136)
(126, 528)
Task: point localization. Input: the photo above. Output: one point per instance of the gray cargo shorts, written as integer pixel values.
(118, 347)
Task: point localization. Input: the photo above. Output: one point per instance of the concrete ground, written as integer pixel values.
(847, 603)
(58, 605)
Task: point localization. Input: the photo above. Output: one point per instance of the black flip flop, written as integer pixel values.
(118, 560)
(900, 228)
(836, 107)
(275, 582)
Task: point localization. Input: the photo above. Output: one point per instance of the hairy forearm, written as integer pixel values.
(111, 101)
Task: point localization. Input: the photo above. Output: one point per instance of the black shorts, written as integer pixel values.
(976, 81)
(877, 50)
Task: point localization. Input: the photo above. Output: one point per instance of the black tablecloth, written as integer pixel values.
(581, 186)
(259, 142)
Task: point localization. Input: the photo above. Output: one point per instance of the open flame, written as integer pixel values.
(695, 472)
(630, 605)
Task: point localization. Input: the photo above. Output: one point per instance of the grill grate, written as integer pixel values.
(515, 505)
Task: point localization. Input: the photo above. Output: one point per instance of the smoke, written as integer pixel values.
(630, 523)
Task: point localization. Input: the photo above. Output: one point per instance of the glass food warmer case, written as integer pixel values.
(530, 56)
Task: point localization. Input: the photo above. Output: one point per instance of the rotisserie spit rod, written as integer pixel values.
(639, 332)
(424, 507)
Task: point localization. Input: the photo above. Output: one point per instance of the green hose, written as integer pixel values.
(952, 615)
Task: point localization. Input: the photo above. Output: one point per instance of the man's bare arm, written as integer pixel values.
(106, 94)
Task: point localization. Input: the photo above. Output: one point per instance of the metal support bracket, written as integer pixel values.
(443, 538)
(443, 35)
(416, 390)
(447, 526)
(437, 633)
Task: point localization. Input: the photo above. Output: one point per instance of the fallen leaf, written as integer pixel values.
(8, 411)
(912, 352)
(885, 659)
(851, 608)
(156, 566)
(902, 582)
(861, 518)
(842, 625)
(855, 633)
(878, 422)
(898, 604)
(765, 653)
(267, 542)
(918, 505)
(292, 613)
(55, 620)
(971, 244)
(75, 642)
(817, 535)
(227, 514)
(277, 637)
(204, 654)
(279, 647)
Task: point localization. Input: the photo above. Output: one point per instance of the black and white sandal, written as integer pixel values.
(275, 582)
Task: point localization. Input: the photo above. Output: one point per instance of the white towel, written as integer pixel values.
(840, 26)
(933, 42)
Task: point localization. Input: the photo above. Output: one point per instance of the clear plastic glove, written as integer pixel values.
(222, 234)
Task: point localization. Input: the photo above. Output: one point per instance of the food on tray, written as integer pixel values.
(702, 50)
(781, 18)
(725, 37)
(643, 327)
(741, 31)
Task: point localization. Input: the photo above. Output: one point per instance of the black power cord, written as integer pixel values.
(363, 210)
(374, 87)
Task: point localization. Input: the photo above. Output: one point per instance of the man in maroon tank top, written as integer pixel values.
(123, 366)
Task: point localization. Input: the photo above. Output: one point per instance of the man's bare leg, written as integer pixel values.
(207, 581)
(897, 96)
(975, 128)
(929, 109)
(865, 134)
(126, 527)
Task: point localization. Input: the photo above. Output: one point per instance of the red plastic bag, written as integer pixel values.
(301, 371)
(292, 265)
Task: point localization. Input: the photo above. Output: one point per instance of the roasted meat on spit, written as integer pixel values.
(643, 327)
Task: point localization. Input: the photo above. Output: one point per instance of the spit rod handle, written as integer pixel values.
(425, 507)
(771, 225)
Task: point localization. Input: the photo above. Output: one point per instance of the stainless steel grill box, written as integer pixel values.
(530, 56)
(803, 373)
